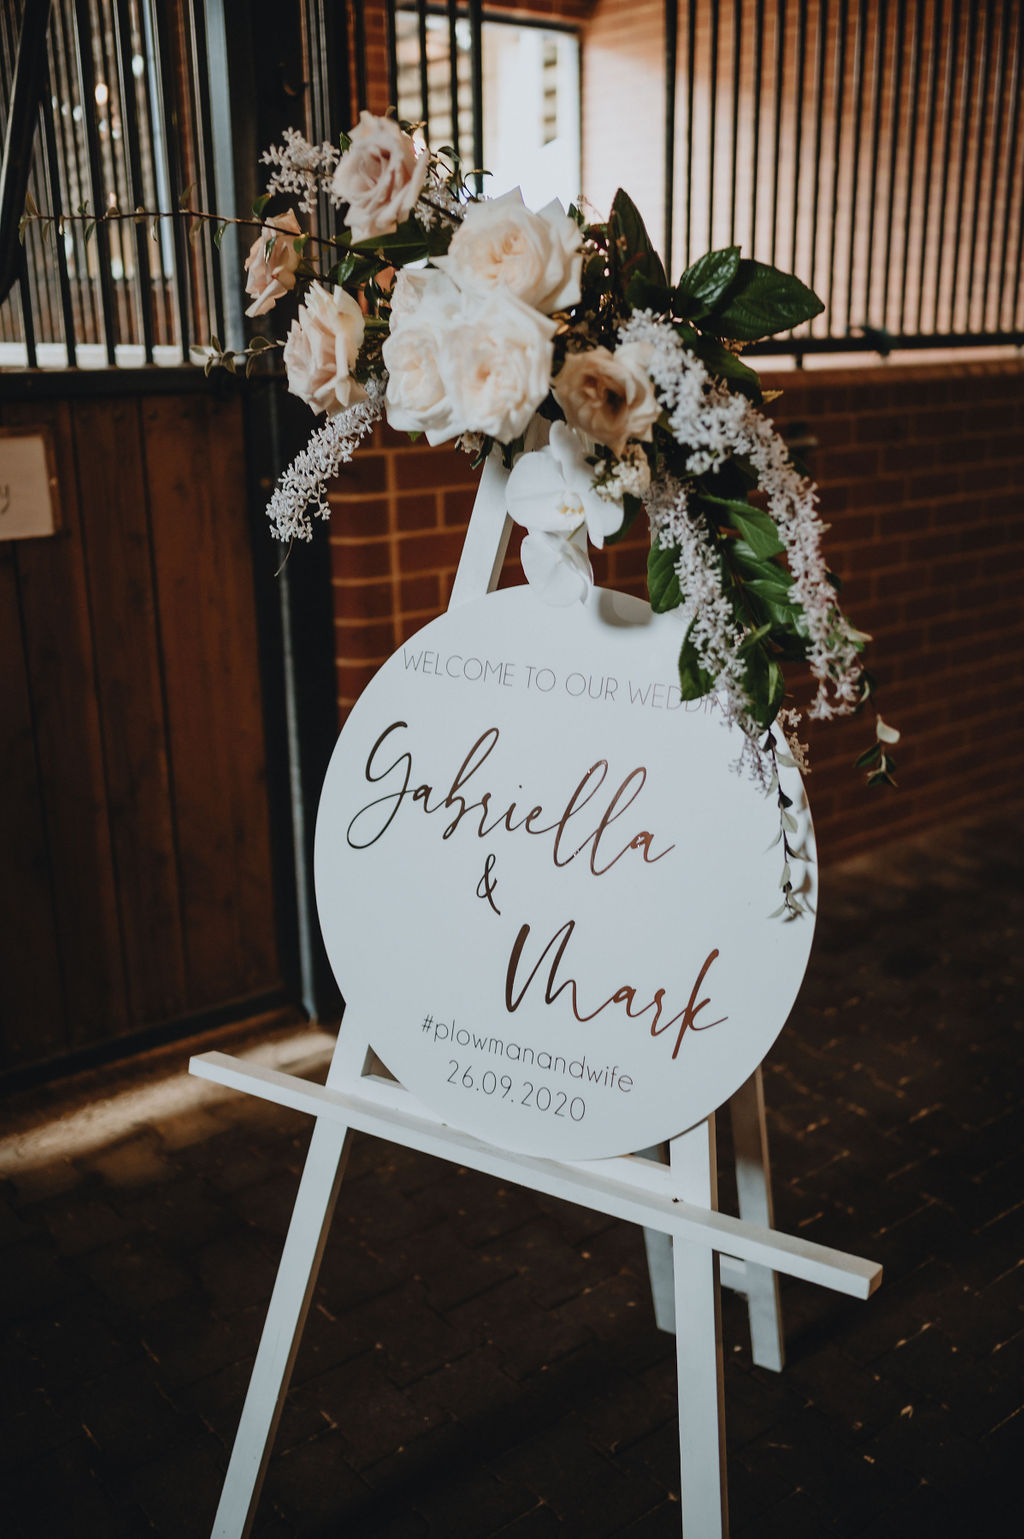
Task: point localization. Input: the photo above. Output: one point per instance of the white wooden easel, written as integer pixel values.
(672, 1194)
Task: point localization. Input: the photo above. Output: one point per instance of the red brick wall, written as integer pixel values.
(921, 473)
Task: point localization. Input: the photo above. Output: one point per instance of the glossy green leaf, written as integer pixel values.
(703, 284)
(761, 301)
(662, 579)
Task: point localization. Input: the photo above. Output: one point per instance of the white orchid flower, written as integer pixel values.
(551, 494)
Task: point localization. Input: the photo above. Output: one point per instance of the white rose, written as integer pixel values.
(497, 364)
(501, 244)
(271, 263)
(609, 396)
(424, 310)
(379, 176)
(322, 346)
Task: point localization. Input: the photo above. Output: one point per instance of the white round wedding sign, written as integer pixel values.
(544, 891)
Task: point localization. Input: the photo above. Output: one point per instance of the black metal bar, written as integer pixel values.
(1016, 95)
(203, 129)
(114, 183)
(857, 91)
(359, 44)
(391, 45)
(820, 36)
(837, 129)
(1015, 318)
(755, 151)
(168, 111)
(983, 120)
(424, 70)
(72, 82)
(961, 175)
(798, 113)
(894, 141)
(737, 37)
(57, 208)
(997, 144)
(691, 43)
(476, 45)
(29, 74)
(915, 99)
(340, 115)
(102, 234)
(915, 342)
(27, 325)
(780, 48)
(129, 107)
(877, 75)
(712, 120)
(453, 69)
(948, 110)
(671, 50)
(929, 164)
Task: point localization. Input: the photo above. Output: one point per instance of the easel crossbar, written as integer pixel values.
(626, 1187)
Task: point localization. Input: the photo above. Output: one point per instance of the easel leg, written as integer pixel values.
(279, 1344)
(754, 1187)
(703, 1493)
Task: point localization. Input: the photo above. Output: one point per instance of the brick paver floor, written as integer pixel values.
(482, 1361)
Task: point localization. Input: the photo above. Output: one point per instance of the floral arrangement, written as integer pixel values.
(561, 345)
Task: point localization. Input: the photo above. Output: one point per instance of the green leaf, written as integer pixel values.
(185, 200)
(30, 206)
(642, 294)
(694, 681)
(765, 685)
(703, 284)
(869, 756)
(662, 580)
(260, 204)
(757, 527)
(726, 365)
(761, 301)
(218, 235)
(630, 508)
(631, 247)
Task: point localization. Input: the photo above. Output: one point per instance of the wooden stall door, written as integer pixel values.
(136, 876)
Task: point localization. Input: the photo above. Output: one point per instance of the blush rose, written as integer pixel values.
(608, 396)
(501, 244)
(271, 263)
(322, 346)
(379, 176)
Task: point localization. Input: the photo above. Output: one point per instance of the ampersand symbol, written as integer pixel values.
(487, 883)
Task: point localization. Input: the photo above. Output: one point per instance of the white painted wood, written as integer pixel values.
(282, 1330)
(754, 1188)
(703, 1495)
(624, 1187)
(658, 1247)
(486, 540)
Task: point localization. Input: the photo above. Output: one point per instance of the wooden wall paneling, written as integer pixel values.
(195, 457)
(32, 1017)
(70, 755)
(115, 530)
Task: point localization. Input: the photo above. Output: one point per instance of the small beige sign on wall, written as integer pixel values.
(29, 505)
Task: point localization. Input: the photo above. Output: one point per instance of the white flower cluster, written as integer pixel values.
(713, 423)
(300, 168)
(706, 609)
(302, 487)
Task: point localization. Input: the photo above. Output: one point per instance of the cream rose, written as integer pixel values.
(424, 309)
(501, 244)
(271, 263)
(609, 396)
(379, 176)
(322, 346)
(497, 364)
